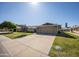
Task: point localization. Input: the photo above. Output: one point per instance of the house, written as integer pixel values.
(68, 29)
(48, 28)
(76, 29)
(21, 28)
(24, 28)
(31, 28)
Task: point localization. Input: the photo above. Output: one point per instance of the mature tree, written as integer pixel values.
(8, 25)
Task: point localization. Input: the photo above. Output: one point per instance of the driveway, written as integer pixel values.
(3, 51)
(29, 46)
(3, 38)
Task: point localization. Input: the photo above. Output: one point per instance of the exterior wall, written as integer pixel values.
(59, 27)
(21, 29)
(6, 30)
(30, 30)
(47, 30)
(76, 29)
(18, 29)
(3, 30)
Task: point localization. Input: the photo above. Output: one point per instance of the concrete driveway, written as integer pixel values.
(29, 46)
(3, 51)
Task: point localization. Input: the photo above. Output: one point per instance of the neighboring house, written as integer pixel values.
(3, 30)
(6, 30)
(24, 28)
(21, 28)
(31, 28)
(66, 29)
(48, 28)
(76, 28)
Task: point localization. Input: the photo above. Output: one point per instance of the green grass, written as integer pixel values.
(16, 34)
(69, 44)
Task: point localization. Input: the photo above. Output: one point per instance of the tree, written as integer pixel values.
(8, 25)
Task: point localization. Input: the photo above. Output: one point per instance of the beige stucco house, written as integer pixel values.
(48, 28)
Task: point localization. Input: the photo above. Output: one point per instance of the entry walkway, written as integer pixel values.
(29, 46)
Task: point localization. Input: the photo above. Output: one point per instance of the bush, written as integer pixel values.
(59, 32)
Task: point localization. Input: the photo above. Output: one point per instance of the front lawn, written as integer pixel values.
(65, 44)
(16, 34)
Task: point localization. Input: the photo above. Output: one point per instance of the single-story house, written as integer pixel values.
(31, 28)
(48, 28)
(76, 29)
(5, 30)
(66, 29)
(21, 28)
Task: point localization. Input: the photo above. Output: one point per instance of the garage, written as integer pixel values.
(48, 28)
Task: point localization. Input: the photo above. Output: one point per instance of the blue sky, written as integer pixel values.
(30, 14)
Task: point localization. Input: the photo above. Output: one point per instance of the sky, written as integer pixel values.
(43, 12)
